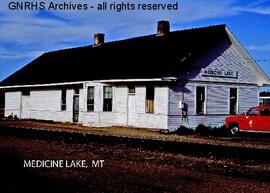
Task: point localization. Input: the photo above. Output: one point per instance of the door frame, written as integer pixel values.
(75, 114)
(129, 122)
(25, 110)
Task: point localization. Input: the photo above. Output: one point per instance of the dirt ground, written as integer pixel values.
(260, 141)
(125, 169)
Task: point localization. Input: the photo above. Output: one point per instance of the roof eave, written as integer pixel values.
(264, 79)
(163, 79)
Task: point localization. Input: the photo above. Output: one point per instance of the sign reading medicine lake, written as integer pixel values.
(219, 73)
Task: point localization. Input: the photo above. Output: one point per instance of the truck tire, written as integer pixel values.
(234, 129)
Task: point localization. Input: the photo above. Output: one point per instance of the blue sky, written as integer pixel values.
(24, 35)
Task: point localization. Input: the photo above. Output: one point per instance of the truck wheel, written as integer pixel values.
(234, 130)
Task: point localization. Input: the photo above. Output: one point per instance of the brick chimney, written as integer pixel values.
(98, 39)
(163, 28)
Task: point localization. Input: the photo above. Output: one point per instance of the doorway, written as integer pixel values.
(75, 108)
(25, 111)
(131, 110)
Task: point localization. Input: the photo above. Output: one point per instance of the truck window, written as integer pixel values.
(265, 112)
(252, 112)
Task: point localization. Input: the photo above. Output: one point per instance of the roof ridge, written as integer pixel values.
(139, 37)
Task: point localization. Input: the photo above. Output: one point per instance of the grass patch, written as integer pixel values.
(203, 130)
(184, 131)
(212, 131)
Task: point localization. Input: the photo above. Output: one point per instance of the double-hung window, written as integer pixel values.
(233, 101)
(107, 98)
(150, 96)
(200, 100)
(90, 98)
(63, 99)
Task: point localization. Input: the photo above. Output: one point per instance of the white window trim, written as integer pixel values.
(206, 98)
(229, 101)
(113, 98)
(145, 111)
(94, 98)
(205, 102)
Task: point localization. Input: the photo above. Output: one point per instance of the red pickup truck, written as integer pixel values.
(256, 119)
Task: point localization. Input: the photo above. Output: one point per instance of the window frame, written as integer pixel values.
(250, 110)
(63, 99)
(25, 92)
(236, 103)
(262, 112)
(150, 100)
(76, 91)
(107, 101)
(90, 100)
(204, 102)
(130, 88)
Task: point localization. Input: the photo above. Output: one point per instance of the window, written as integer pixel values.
(150, 95)
(264, 102)
(233, 101)
(25, 92)
(200, 100)
(107, 98)
(265, 112)
(63, 99)
(131, 89)
(252, 112)
(76, 91)
(90, 98)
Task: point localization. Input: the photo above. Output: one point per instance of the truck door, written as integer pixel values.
(251, 119)
(264, 119)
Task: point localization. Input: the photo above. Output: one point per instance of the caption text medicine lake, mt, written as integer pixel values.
(62, 163)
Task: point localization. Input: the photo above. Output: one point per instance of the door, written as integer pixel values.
(131, 110)
(25, 113)
(264, 119)
(251, 119)
(75, 108)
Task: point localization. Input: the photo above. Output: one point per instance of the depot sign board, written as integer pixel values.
(219, 73)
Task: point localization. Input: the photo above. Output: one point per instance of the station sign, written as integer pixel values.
(219, 73)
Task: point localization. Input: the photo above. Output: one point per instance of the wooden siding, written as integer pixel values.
(161, 100)
(140, 99)
(25, 107)
(119, 115)
(46, 105)
(120, 103)
(183, 93)
(225, 57)
(47, 100)
(13, 104)
(217, 100)
(158, 119)
(248, 97)
(217, 103)
(194, 120)
(97, 118)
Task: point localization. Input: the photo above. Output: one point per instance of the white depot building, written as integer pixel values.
(162, 81)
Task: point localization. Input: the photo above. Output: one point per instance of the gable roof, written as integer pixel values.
(136, 58)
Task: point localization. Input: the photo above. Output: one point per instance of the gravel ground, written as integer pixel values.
(125, 169)
(260, 141)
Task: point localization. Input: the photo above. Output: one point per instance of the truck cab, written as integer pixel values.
(256, 119)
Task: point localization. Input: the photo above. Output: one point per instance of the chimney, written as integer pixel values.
(98, 39)
(163, 28)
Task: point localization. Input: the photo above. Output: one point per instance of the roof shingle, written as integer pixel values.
(142, 57)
